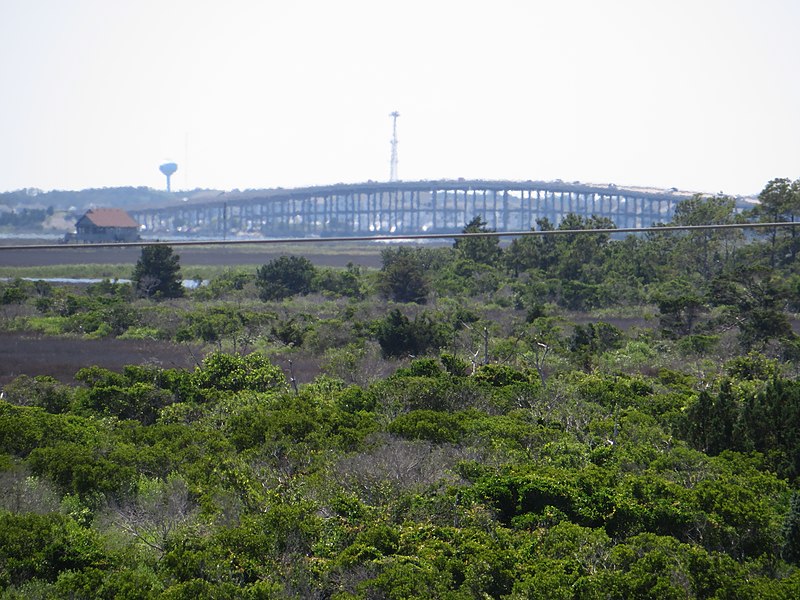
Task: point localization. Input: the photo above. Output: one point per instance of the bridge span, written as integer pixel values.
(406, 207)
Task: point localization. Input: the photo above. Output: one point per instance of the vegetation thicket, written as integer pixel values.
(567, 416)
(158, 273)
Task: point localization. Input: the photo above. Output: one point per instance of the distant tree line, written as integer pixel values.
(25, 218)
(116, 197)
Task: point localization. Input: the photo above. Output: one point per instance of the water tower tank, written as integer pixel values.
(168, 169)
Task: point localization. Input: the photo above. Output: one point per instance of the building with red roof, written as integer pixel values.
(106, 225)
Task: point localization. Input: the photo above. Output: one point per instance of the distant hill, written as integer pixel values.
(116, 197)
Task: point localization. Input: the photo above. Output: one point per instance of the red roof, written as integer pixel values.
(110, 217)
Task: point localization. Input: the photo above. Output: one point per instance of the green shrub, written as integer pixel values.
(140, 333)
(399, 336)
(233, 373)
(498, 375)
(432, 425)
(42, 391)
(284, 277)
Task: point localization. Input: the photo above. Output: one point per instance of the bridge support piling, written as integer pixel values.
(410, 207)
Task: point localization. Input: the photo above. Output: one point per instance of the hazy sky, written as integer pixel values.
(702, 95)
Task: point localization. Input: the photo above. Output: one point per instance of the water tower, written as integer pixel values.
(168, 169)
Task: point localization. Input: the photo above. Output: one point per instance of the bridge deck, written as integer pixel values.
(408, 207)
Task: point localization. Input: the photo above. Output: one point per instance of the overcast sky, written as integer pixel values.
(702, 95)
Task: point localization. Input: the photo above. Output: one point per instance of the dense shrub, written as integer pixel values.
(284, 277)
(400, 336)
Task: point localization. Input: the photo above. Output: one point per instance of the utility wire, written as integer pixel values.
(401, 238)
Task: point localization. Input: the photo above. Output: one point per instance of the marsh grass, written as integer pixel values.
(46, 325)
(316, 247)
(112, 271)
(120, 271)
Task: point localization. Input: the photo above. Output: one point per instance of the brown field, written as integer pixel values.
(32, 354)
(322, 254)
(60, 357)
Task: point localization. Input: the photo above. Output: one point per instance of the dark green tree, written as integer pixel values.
(756, 300)
(770, 420)
(712, 421)
(400, 336)
(681, 304)
(158, 273)
(705, 251)
(592, 339)
(581, 256)
(791, 531)
(532, 251)
(403, 276)
(482, 249)
(341, 282)
(284, 277)
(42, 547)
(779, 202)
(42, 390)
(14, 293)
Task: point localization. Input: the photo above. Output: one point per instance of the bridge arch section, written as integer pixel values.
(414, 207)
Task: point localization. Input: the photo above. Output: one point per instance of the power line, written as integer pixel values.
(401, 238)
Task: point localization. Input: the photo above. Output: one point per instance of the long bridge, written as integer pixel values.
(405, 207)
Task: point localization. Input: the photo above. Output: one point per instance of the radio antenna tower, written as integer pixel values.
(393, 170)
